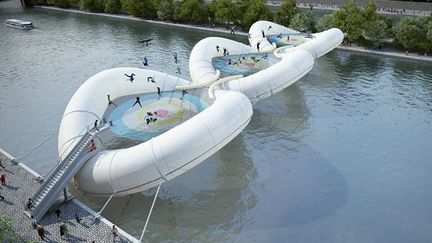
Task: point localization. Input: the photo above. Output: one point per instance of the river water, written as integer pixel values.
(343, 155)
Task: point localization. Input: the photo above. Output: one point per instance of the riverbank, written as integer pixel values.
(392, 53)
(21, 184)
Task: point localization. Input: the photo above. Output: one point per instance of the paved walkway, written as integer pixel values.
(392, 53)
(21, 184)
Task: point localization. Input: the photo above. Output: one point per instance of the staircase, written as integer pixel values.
(60, 177)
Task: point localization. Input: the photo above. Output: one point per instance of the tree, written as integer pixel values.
(325, 23)
(92, 5)
(377, 32)
(286, 12)
(193, 11)
(61, 3)
(141, 8)
(166, 10)
(429, 31)
(408, 33)
(303, 21)
(370, 12)
(255, 10)
(224, 11)
(112, 6)
(350, 20)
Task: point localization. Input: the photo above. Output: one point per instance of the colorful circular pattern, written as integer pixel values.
(157, 115)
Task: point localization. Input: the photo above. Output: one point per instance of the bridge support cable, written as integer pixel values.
(148, 216)
(104, 206)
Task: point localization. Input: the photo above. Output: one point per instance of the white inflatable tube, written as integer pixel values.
(200, 60)
(269, 28)
(321, 44)
(138, 168)
(261, 84)
(273, 79)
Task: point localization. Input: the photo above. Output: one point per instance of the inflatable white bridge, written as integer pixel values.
(152, 127)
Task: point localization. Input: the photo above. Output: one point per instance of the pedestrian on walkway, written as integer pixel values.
(1, 165)
(63, 230)
(41, 232)
(2, 198)
(114, 232)
(34, 224)
(158, 91)
(3, 179)
(29, 203)
(58, 213)
(77, 218)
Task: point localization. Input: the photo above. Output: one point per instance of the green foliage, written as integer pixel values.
(166, 10)
(429, 31)
(303, 21)
(193, 11)
(370, 12)
(286, 12)
(411, 33)
(377, 32)
(74, 2)
(224, 11)
(6, 231)
(92, 5)
(140, 8)
(112, 6)
(325, 23)
(61, 3)
(350, 20)
(255, 10)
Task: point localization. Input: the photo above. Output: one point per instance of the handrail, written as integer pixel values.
(59, 160)
(196, 85)
(221, 81)
(59, 167)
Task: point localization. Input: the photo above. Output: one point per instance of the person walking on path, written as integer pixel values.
(41, 233)
(258, 45)
(110, 102)
(137, 101)
(3, 180)
(63, 230)
(2, 198)
(29, 203)
(131, 77)
(263, 34)
(114, 232)
(58, 213)
(77, 218)
(1, 165)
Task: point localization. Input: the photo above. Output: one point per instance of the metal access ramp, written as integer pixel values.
(60, 177)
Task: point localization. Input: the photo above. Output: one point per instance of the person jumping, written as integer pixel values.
(137, 102)
(110, 102)
(175, 57)
(131, 77)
